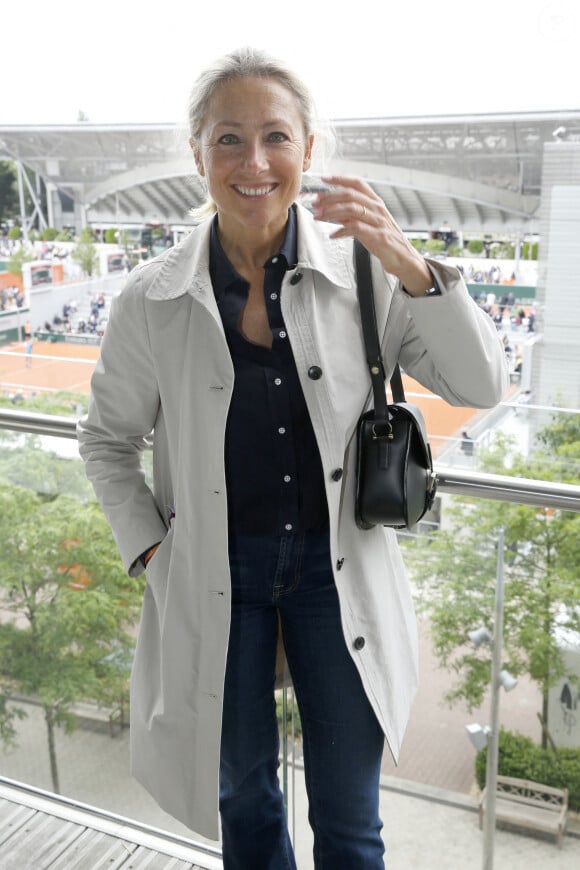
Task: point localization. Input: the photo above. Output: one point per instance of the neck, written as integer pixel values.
(248, 248)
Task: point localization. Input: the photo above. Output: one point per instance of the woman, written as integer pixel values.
(241, 349)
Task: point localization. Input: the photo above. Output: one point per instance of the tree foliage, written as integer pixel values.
(9, 207)
(48, 234)
(18, 258)
(85, 253)
(455, 572)
(66, 605)
(62, 403)
(475, 246)
(24, 462)
(434, 246)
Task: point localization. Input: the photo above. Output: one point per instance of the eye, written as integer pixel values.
(277, 137)
(228, 139)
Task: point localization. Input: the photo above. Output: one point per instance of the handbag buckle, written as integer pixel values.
(387, 431)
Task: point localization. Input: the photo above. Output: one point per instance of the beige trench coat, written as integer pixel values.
(165, 366)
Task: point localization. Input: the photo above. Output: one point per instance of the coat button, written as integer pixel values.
(314, 373)
(296, 278)
(339, 564)
(359, 642)
(336, 474)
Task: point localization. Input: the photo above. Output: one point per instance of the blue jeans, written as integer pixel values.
(343, 742)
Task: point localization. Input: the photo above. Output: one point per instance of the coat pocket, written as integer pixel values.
(157, 572)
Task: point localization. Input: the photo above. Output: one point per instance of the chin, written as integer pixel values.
(263, 215)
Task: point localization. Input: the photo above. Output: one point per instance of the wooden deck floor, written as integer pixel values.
(39, 831)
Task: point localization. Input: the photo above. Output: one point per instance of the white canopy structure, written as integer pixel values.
(471, 173)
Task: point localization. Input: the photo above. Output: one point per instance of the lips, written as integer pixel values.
(263, 190)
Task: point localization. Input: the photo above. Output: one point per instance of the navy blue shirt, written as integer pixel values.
(274, 474)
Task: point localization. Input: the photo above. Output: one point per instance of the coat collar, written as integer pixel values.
(333, 258)
(185, 267)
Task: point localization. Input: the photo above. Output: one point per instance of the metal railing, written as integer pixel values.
(454, 481)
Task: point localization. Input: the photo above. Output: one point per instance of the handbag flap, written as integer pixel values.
(414, 413)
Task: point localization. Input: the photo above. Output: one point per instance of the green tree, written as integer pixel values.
(24, 462)
(15, 233)
(63, 403)
(9, 208)
(502, 250)
(48, 234)
(85, 253)
(434, 246)
(455, 573)
(18, 259)
(475, 246)
(530, 251)
(67, 603)
(111, 235)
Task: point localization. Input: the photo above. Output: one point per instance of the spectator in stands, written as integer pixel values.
(241, 349)
(466, 443)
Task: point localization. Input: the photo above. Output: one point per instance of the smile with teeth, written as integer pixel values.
(254, 191)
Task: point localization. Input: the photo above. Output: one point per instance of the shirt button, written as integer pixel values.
(287, 478)
(277, 381)
(281, 430)
(314, 373)
(273, 296)
(282, 334)
(336, 474)
(288, 527)
(359, 642)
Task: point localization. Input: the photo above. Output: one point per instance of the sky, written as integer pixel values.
(133, 61)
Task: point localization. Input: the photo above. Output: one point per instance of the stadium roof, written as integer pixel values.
(470, 172)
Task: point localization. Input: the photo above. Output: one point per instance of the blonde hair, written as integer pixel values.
(243, 63)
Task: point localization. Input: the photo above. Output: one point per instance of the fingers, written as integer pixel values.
(350, 182)
(337, 207)
(359, 212)
(350, 202)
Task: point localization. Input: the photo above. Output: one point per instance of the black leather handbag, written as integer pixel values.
(395, 480)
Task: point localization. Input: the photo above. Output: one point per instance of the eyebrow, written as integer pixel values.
(273, 123)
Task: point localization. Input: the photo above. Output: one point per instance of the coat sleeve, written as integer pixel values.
(449, 344)
(123, 407)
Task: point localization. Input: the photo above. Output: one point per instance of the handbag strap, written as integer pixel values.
(371, 336)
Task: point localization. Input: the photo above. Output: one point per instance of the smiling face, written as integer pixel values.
(252, 152)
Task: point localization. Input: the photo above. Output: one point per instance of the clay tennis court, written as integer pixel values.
(50, 366)
(443, 421)
(63, 366)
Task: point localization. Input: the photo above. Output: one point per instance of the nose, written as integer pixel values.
(255, 158)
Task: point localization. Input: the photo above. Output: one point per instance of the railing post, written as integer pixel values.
(493, 740)
(285, 748)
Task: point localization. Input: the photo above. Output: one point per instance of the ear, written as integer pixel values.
(308, 153)
(197, 156)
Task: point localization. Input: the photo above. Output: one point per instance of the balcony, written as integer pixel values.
(38, 829)
(103, 818)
